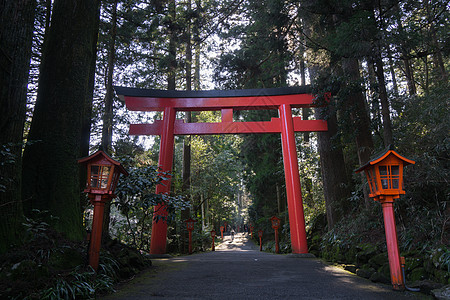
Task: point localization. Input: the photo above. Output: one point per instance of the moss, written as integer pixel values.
(378, 260)
(418, 274)
(365, 273)
(413, 263)
(442, 276)
(380, 277)
(365, 252)
(385, 270)
(65, 258)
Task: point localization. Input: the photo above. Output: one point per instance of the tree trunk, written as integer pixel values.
(334, 176)
(109, 96)
(107, 129)
(50, 173)
(387, 125)
(436, 49)
(186, 170)
(87, 115)
(409, 73)
(359, 116)
(16, 31)
(171, 74)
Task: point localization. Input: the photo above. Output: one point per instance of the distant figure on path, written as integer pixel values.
(232, 235)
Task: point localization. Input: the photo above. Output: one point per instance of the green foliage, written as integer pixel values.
(135, 200)
(80, 284)
(36, 227)
(6, 158)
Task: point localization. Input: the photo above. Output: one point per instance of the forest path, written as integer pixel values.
(238, 270)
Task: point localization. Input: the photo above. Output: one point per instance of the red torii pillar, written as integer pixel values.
(159, 225)
(292, 177)
(170, 102)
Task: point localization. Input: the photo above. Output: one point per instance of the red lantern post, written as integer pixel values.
(385, 177)
(213, 235)
(275, 225)
(260, 233)
(190, 226)
(221, 231)
(102, 178)
(251, 231)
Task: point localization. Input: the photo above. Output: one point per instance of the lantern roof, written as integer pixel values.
(99, 156)
(382, 155)
(190, 220)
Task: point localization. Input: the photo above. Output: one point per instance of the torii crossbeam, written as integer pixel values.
(282, 99)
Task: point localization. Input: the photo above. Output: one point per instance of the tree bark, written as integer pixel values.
(384, 101)
(358, 115)
(50, 172)
(171, 76)
(16, 31)
(186, 170)
(334, 176)
(108, 115)
(109, 96)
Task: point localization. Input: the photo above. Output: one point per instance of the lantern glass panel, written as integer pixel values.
(372, 180)
(114, 181)
(384, 176)
(100, 176)
(390, 176)
(395, 174)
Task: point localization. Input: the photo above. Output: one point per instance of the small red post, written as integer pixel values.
(260, 233)
(277, 245)
(96, 235)
(213, 235)
(221, 231)
(251, 231)
(391, 241)
(275, 225)
(190, 226)
(190, 241)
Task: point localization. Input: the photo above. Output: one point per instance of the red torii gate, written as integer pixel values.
(282, 99)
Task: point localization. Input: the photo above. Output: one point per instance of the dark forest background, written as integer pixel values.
(385, 64)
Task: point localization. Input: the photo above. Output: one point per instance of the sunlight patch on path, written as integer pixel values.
(241, 242)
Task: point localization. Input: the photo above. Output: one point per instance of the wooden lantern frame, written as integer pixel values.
(104, 180)
(385, 174)
(190, 224)
(275, 222)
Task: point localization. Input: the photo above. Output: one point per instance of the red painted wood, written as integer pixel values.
(392, 243)
(159, 227)
(293, 189)
(273, 126)
(200, 104)
(96, 235)
(286, 125)
(227, 115)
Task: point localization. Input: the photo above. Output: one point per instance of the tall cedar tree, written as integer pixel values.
(50, 170)
(334, 177)
(16, 31)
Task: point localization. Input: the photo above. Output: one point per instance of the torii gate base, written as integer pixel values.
(282, 99)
